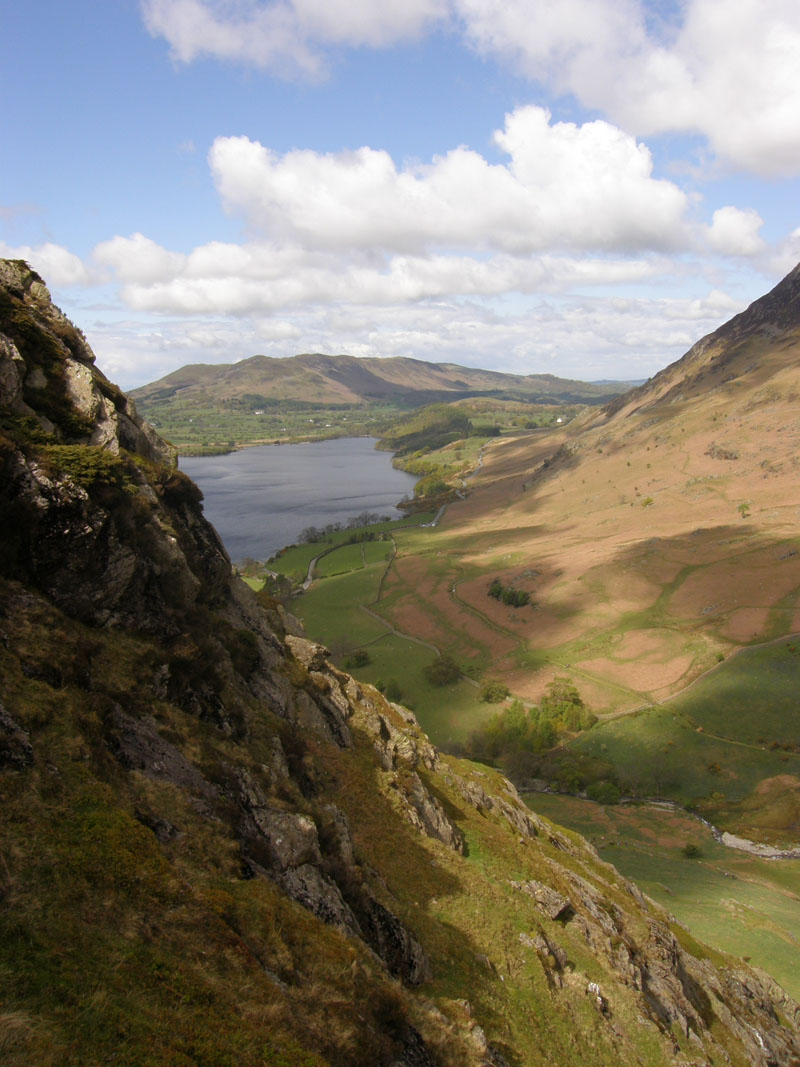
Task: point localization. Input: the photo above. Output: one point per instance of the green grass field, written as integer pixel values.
(293, 560)
(447, 714)
(353, 557)
(750, 698)
(739, 903)
(656, 752)
(332, 612)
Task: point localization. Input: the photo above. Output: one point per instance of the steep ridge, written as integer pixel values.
(738, 348)
(218, 848)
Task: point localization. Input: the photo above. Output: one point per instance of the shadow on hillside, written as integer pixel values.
(709, 547)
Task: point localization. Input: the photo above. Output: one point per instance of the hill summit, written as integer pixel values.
(218, 848)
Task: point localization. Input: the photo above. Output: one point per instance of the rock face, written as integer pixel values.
(231, 849)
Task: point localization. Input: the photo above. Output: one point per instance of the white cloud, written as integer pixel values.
(230, 279)
(568, 186)
(567, 336)
(138, 259)
(734, 232)
(56, 264)
(724, 70)
(284, 35)
(365, 22)
(780, 260)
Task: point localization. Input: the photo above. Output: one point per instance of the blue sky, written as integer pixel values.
(581, 188)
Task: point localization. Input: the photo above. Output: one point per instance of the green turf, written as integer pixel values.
(353, 557)
(293, 560)
(656, 752)
(330, 609)
(449, 713)
(741, 904)
(340, 561)
(751, 698)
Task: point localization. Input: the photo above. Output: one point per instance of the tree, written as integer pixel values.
(604, 792)
(442, 671)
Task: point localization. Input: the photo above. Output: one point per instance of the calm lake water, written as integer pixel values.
(261, 498)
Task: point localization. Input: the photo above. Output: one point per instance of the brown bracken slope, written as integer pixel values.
(652, 534)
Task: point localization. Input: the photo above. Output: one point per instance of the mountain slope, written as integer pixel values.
(217, 848)
(653, 535)
(350, 380)
(748, 349)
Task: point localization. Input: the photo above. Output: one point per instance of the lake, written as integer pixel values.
(260, 499)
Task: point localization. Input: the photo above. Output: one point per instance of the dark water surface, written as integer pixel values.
(261, 498)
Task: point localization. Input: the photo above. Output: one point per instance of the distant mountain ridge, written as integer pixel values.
(344, 379)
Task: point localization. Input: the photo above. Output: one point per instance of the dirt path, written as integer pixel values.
(312, 564)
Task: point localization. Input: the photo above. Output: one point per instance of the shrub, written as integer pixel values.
(494, 692)
(359, 658)
(393, 691)
(517, 598)
(604, 792)
(87, 465)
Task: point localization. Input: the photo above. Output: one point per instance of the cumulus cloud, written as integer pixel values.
(224, 279)
(284, 35)
(138, 259)
(56, 264)
(569, 186)
(726, 71)
(734, 232)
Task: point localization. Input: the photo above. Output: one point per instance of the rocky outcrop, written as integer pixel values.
(47, 374)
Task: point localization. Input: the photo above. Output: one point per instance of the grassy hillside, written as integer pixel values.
(259, 400)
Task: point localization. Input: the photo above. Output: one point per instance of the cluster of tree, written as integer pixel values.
(313, 534)
(516, 598)
(432, 485)
(431, 428)
(534, 729)
(493, 692)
